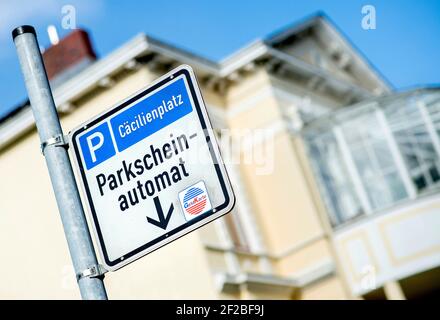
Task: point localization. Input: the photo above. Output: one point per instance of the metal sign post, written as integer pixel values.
(89, 275)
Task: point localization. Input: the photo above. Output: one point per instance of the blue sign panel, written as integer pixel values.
(150, 115)
(136, 123)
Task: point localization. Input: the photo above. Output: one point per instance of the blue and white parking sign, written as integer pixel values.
(150, 169)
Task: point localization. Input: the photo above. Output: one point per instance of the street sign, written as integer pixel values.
(150, 169)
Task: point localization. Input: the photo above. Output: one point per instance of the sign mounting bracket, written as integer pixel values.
(59, 140)
(92, 272)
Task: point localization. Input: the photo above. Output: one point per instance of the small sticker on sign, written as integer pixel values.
(195, 200)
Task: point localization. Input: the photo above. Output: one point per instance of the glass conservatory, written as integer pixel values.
(376, 154)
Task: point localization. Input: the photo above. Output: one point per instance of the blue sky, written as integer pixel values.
(405, 46)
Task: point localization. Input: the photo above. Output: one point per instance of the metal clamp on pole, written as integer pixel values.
(58, 141)
(92, 272)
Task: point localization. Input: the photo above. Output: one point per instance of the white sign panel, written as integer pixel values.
(150, 169)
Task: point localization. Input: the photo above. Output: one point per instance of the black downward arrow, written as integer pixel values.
(163, 221)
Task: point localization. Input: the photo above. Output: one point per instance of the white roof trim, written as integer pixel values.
(357, 55)
(223, 279)
(141, 44)
(10, 130)
(311, 69)
(242, 58)
(196, 62)
(306, 277)
(76, 86)
(90, 77)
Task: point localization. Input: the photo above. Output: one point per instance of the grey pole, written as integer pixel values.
(58, 163)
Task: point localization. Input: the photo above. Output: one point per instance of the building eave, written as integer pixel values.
(285, 32)
(325, 22)
(89, 79)
(242, 57)
(227, 282)
(314, 71)
(142, 45)
(75, 87)
(202, 65)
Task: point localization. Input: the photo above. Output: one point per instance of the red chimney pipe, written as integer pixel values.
(69, 52)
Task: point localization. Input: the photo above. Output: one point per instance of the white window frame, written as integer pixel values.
(352, 170)
(397, 156)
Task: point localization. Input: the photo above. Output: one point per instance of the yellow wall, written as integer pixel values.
(330, 288)
(284, 204)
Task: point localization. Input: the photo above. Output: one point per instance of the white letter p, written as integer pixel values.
(95, 147)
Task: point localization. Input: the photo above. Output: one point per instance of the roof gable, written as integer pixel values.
(318, 41)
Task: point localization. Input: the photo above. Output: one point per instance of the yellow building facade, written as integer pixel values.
(278, 242)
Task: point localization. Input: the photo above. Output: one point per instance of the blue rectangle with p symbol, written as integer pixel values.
(97, 145)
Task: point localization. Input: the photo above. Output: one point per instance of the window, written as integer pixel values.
(409, 121)
(432, 105)
(373, 160)
(369, 157)
(335, 184)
